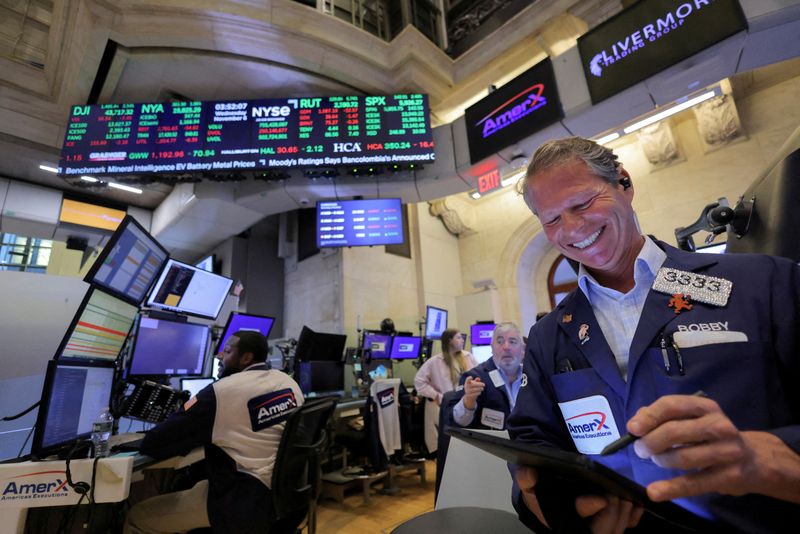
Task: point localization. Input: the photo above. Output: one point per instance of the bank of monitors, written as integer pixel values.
(481, 333)
(435, 322)
(184, 288)
(168, 348)
(99, 329)
(245, 321)
(378, 344)
(129, 263)
(74, 394)
(319, 346)
(406, 347)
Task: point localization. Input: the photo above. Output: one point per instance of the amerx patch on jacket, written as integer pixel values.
(271, 408)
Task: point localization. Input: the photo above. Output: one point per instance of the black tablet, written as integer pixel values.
(592, 477)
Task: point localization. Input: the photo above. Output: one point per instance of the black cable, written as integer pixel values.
(19, 454)
(20, 414)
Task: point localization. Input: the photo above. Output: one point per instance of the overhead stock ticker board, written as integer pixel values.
(241, 135)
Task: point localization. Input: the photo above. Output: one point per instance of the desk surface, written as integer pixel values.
(463, 520)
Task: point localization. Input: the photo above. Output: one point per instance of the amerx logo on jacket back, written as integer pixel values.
(271, 408)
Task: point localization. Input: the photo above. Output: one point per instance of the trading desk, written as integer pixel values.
(26, 485)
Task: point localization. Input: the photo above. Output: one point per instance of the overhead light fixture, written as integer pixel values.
(475, 195)
(512, 178)
(661, 115)
(48, 168)
(89, 179)
(607, 138)
(125, 188)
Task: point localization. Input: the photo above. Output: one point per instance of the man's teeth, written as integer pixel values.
(588, 241)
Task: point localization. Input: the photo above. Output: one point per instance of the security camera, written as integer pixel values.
(304, 202)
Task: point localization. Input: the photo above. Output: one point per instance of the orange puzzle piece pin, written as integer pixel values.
(679, 302)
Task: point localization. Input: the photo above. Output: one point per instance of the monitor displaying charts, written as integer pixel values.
(184, 288)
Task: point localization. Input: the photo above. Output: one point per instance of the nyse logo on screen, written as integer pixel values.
(271, 409)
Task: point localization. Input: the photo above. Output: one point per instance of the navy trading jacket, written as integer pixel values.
(493, 398)
(743, 354)
(239, 420)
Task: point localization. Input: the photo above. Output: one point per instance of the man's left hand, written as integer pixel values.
(692, 433)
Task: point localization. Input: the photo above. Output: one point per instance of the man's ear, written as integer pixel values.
(246, 359)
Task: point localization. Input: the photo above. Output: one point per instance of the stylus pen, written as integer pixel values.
(629, 438)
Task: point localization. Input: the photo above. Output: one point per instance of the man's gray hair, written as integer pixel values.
(600, 160)
(505, 327)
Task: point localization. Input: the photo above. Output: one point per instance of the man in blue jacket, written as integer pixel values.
(648, 326)
(490, 389)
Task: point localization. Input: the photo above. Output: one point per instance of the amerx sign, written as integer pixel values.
(650, 36)
(520, 108)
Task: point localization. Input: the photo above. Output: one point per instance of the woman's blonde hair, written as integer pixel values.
(456, 362)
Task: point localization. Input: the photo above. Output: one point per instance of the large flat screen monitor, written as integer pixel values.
(435, 322)
(481, 333)
(245, 321)
(319, 346)
(184, 288)
(73, 396)
(99, 329)
(129, 263)
(406, 347)
(320, 376)
(168, 348)
(379, 345)
(350, 223)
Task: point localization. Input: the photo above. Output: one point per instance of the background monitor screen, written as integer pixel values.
(194, 385)
(320, 376)
(99, 329)
(481, 333)
(319, 346)
(270, 133)
(349, 223)
(435, 322)
(650, 36)
(207, 264)
(74, 394)
(129, 263)
(481, 352)
(406, 347)
(184, 288)
(168, 348)
(716, 248)
(379, 344)
(85, 214)
(245, 321)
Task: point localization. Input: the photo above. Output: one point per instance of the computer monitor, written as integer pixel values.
(194, 385)
(129, 263)
(481, 352)
(184, 288)
(320, 376)
(168, 348)
(481, 333)
(245, 321)
(74, 394)
(379, 345)
(435, 322)
(99, 329)
(714, 248)
(319, 346)
(207, 263)
(406, 347)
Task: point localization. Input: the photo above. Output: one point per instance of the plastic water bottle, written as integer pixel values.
(101, 432)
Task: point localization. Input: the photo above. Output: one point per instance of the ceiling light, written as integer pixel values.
(513, 178)
(48, 168)
(475, 195)
(668, 112)
(607, 138)
(125, 188)
(89, 179)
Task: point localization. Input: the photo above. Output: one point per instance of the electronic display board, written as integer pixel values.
(351, 223)
(650, 36)
(240, 135)
(523, 106)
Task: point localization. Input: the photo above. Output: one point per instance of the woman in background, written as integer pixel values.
(439, 375)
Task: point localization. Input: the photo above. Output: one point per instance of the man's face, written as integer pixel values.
(586, 218)
(229, 358)
(507, 351)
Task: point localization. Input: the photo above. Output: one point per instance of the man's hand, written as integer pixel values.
(526, 480)
(473, 387)
(692, 433)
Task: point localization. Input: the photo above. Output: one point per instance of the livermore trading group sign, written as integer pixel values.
(651, 36)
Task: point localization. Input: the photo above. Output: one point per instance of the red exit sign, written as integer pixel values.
(488, 181)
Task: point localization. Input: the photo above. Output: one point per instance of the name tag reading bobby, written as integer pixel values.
(701, 288)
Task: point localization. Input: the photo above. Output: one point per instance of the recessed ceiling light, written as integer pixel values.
(48, 168)
(125, 188)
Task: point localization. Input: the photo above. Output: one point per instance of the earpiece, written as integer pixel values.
(625, 182)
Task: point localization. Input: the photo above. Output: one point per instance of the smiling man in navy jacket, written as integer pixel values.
(239, 420)
(490, 389)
